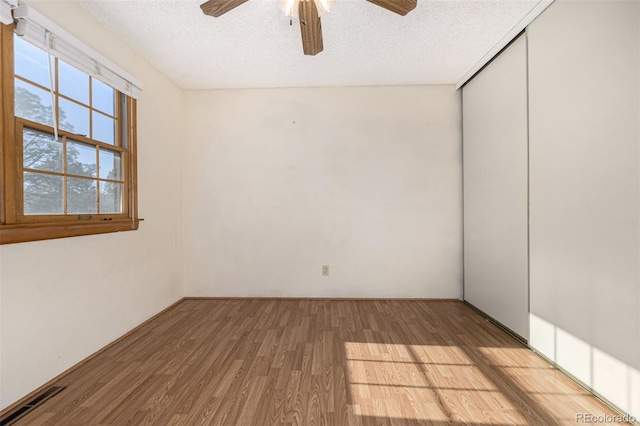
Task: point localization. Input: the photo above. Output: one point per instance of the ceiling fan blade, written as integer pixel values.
(401, 7)
(219, 7)
(310, 27)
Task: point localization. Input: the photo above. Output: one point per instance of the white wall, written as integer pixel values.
(584, 74)
(279, 182)
(496, 246)
(61, 300)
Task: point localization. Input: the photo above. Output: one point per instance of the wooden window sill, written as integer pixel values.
(20, 233)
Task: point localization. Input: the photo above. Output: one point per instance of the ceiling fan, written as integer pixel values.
(310, 27)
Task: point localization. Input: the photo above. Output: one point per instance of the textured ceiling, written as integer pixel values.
(254, 45)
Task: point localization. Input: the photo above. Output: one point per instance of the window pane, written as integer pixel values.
(110, 165)
(81, 195)
(32, 103)
(103, 97)
(73, 118)
(42, 194)
(110, 197)
(104, 128)
(81, 159)
(41, 151)
(73, 83)
(30, 62)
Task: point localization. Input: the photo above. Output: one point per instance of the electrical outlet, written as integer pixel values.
(325, 270)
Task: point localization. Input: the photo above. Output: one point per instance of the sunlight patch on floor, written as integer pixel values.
(423, 383)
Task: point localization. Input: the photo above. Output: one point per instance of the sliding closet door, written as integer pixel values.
(584, 85)
(496, 190)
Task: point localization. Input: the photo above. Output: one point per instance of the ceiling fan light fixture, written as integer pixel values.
(290, 7)
(324, 6)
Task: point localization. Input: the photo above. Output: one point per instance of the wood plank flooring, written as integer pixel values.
(315, 362)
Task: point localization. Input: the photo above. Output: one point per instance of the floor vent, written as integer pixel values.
(13, 416)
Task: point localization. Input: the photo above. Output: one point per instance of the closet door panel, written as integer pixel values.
(495, 163)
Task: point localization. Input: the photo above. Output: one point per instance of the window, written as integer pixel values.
(84, 180)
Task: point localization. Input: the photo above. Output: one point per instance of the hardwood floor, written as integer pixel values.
(312, 362)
